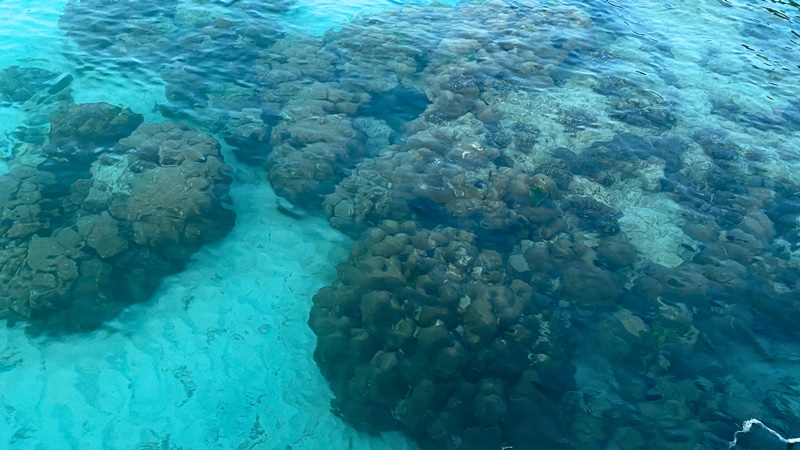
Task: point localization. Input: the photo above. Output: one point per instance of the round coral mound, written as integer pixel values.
(425, 331)
(95, 218)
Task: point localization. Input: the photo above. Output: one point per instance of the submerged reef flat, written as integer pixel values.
(552, 249)
(100, 208)
(510, 238)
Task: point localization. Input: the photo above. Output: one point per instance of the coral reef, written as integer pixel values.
(108, 206)
(548, 249)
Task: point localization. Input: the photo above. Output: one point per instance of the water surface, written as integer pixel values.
(472, 225)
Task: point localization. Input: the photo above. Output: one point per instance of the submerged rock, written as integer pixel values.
(20, 84)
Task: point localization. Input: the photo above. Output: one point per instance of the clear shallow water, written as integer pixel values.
(620, 271)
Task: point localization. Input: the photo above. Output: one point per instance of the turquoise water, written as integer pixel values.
(461, 225)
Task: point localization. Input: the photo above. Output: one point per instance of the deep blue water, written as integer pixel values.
(472, 225)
